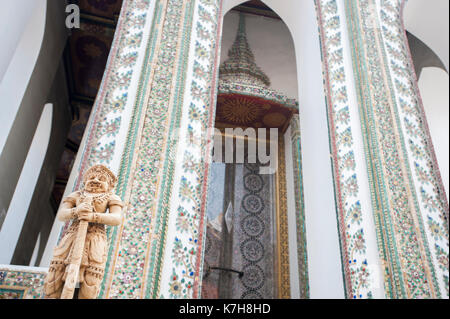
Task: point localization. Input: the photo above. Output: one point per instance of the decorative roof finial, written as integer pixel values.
(241, 66)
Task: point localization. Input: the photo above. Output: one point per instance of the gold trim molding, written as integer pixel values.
(282, 247)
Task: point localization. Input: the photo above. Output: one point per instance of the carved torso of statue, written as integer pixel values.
(96, 204)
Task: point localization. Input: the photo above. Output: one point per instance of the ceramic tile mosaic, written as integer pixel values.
(359, 279)
(156, 100)
(149, 174)
(409, 270)
(196, 154)
(416, 139)
(110, 117)
(21, 283)
(133, 248)
(100, 143)
(299, 207)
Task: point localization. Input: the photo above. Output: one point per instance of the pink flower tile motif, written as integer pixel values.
(187, 244)
(358, 278)
(427, 183)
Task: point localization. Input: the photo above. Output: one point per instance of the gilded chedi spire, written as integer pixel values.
(240, 67)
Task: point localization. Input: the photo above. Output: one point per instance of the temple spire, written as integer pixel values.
(240, 67)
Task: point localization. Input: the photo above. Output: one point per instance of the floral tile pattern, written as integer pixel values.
(106, 117)
(103, 141)
(21, 283)
(164, 167)
(423, 168)
(403, 245)
(135, 249)
(187, 231)
(149, 175)
(358, 278)
(300, 208)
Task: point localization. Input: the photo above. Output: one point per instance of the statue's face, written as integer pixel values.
(96, 183)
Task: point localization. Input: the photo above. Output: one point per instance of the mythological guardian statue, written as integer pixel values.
(80, 256)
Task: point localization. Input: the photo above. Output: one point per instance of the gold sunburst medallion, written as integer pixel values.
(239, 110)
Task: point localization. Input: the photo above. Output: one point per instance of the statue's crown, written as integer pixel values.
(102, 169)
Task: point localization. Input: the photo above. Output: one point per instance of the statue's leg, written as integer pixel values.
(54, 282)
(90, 285)
(95, 261)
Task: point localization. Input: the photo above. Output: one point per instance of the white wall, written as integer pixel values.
(324, 261)
(272, 46)
(14, 17)
(22, 61)
(428, 21)
(18, 209)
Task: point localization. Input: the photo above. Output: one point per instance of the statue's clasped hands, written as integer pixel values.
(85, 212)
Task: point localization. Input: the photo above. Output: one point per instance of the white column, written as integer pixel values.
(23, 26)
(375, 266)
(35, 251)
(18, 209)
(324, 260)
(14, 18)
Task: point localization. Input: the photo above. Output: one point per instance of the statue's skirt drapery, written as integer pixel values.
(92, 263)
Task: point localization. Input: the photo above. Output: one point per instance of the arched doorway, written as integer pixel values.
(320, 227)
(247, 211)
